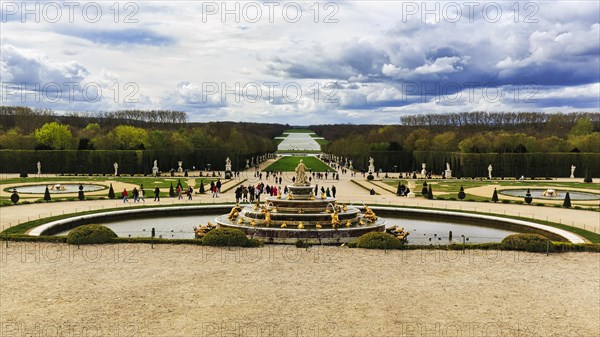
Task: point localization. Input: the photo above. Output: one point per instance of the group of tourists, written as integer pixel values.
(137, 195)
(215, 188)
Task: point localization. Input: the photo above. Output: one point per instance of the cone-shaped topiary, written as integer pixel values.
(528, 198)
(171, 191)
(567, 202)
(47, 194)
(398, 189)
(202, 187)
(430, 193)
(424, 189)
(495, 196)
(461, 193)
(111, 192)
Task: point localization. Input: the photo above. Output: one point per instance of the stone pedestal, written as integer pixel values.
(448, 174)
(180, 169)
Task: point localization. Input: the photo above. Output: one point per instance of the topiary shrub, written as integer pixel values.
(229, 237)
(90, 234)
(201, 190)
(430, 193)
(377, 240)
(111, 192)
(171, 191)
(80, 195)
(567, 202)
(527, 242)
(528, 198)
(461, 193)
(47, 196)
(495, 196)
(424, 191)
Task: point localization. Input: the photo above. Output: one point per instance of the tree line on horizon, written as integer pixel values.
(470, 133)
(40, 129)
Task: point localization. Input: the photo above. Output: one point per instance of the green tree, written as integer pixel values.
(14, 139)
(582, 127)
(55, 136)
(445, 141)
(128, 137)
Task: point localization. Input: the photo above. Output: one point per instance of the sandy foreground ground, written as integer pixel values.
(172, 290)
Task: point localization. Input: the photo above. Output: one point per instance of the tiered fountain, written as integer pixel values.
(302, 215)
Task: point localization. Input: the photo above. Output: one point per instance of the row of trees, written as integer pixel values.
(465, 124)
(55, 136)
(582, 136)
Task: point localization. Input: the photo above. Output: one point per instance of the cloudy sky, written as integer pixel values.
(302, 62)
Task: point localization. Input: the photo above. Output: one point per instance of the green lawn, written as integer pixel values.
(288, 164)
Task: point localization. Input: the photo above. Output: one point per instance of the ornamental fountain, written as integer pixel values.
(301, 215)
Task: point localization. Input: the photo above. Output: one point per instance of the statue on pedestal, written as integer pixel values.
(179, 169)
(424, 169)
(39, 168)
(490, 169)
(301, 174)
(371, 165)
(448, 172)
(227, 164)
(116, 166)
(573, 167)
(155, 168)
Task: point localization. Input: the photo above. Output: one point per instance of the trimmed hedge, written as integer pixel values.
(378, 240)
(228, 237)
(91, 234)
(527, 242)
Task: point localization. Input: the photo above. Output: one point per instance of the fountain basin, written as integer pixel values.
(55, 188)
(165, 219)
(557, 194)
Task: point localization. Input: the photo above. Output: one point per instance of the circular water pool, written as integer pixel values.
(56, 188)
(538, 194)
(421, 231)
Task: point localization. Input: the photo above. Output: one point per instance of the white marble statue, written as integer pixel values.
(573, 167)
(116, 166)
(423, 169)
(227, 164)
(155, 168)
(179, 169)
(371, 165)
(490, 169)
(350, 167)
(247, 163)
(448, 172)
(39, 167)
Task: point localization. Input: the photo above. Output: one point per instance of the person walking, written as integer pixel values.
(141, 195)
(333, 190)
(125, 194)
(135, 195)
(156, 194)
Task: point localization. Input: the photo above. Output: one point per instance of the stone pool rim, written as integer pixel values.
(559, 198)
(10, 188)
(57, 226)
